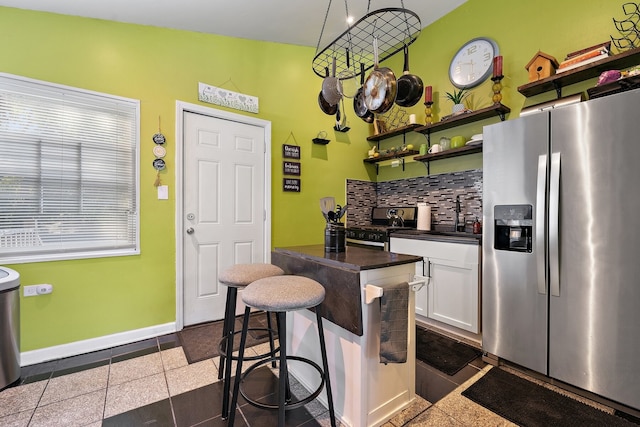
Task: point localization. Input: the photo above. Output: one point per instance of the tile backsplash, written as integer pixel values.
(439, 191)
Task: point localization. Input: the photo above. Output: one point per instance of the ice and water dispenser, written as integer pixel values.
(513, 227)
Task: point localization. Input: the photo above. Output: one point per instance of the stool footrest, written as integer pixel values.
(223, 352)
(288, 405)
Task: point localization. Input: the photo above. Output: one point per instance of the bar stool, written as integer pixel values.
(282, 294)
(237, 277)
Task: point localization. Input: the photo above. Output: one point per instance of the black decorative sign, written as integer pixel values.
(291, 184)
(290, 151)
(291, 168)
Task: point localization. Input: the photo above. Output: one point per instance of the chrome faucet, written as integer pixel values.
(457, 215)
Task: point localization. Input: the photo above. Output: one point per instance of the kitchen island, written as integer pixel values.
(365, 391)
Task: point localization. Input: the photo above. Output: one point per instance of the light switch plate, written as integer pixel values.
(163, 192)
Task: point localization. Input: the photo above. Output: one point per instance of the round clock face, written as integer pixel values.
(473, 62)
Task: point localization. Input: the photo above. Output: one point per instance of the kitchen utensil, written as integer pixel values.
(330, 87)
(458, 141)
(380, 88)
(346, 81)
(435, 148)
(324, 104)
(410, 86)
(341, 211)
(358, 101)
(327, 204)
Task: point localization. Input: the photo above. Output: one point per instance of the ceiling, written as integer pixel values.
(298, 22)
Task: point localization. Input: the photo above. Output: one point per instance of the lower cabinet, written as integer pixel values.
(452, 295)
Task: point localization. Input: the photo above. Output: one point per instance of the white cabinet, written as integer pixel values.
(452, 295)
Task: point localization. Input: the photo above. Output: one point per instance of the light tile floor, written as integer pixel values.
(163, 389)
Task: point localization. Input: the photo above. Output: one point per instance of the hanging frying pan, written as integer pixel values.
(381, 88)
(410, 86)
(358, 101)
(324, 105)
(330, 87)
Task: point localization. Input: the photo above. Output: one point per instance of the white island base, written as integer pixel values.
(365, 391)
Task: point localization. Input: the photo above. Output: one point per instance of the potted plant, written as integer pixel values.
(457, 97)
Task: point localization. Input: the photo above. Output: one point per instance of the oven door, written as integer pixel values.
(378, 246)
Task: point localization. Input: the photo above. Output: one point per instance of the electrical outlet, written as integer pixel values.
(44, 289)
(30, 291)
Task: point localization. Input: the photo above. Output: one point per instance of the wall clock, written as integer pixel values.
(473, 62)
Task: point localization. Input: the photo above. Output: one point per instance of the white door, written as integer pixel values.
(223, 208)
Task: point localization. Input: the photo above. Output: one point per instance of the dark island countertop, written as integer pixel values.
(353, 258)
(339, 273)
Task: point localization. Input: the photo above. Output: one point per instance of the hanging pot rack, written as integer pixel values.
(394, 28)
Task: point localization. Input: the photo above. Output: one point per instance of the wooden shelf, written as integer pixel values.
(585, 72)
(396, 155)
(464, 118)
(454, 152)
(395, 132)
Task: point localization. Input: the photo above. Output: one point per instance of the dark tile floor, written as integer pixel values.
(122, 371)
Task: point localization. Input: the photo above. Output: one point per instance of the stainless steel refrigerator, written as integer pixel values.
(561, 244)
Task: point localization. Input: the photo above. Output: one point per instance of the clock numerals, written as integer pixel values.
(471, 65)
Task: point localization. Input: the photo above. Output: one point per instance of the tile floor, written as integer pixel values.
(150, 383)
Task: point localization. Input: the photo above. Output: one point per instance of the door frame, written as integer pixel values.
(181, 108)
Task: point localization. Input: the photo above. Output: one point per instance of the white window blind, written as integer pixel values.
(68, 172)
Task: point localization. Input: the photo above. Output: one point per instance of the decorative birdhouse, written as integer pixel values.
(541, 66)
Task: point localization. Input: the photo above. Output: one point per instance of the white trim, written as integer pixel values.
(94, 344)
(181, 107)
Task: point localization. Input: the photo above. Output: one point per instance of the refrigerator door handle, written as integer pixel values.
(540, 223)
(554, 221)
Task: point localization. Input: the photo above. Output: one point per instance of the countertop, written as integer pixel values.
(441, 236)
(353, 258)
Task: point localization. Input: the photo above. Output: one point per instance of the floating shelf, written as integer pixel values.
(395, 28)
(395, 132)
(557, 81)
(454, 152)
(391, 156)
(464, 118)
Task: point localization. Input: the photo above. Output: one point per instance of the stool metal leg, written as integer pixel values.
(271, 337)
(283, 379)
(229, 319)
(325, 365)
(236, 384)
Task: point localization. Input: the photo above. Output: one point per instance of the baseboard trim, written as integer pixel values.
(94, 344)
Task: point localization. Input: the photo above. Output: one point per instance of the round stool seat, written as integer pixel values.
(240, 275)
(283, 293)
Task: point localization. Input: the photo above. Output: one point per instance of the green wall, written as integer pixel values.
(103, 296)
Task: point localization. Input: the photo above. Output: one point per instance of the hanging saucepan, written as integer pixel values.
(381, 88)
(358, 101)
(330, 87)
(324, 105)
(410, 86)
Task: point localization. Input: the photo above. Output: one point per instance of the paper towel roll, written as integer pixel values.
(424, 217)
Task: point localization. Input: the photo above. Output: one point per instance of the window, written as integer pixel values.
(68, 172)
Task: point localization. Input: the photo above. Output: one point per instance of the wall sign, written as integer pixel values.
(291, 184)
(290, 151)
(227, 98)
(291, 168)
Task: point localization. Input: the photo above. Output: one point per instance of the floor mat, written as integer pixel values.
(528, 404)
(200, 342)
(444, 354)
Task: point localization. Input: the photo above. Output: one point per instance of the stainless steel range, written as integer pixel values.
(384, 220)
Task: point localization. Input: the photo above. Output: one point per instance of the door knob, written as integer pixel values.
(190, 230)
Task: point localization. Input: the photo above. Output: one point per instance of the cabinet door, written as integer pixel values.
(417, 248)
(453, 293)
